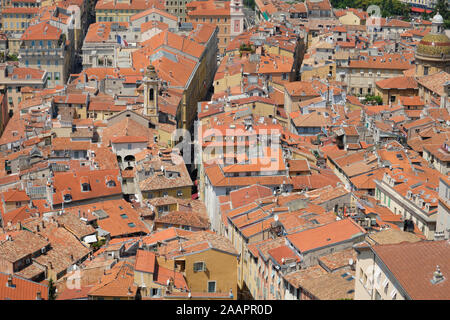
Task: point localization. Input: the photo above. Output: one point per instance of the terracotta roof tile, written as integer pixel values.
(328, 234)
(23, 289)
(413, 266)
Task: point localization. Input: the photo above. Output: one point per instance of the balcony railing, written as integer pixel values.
(41, 51)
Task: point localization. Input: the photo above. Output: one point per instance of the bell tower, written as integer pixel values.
(151, 82)
(237, 18)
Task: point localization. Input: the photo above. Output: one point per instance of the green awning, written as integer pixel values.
(265, 16)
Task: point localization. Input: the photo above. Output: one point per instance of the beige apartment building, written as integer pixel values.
(228, 16)
(15, 78)
(414, 200)
(45, 47)
(361, 75)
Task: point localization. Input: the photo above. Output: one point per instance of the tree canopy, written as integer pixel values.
(388, 8)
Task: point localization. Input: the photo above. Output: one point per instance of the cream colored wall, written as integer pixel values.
(221, 267)
(101, 115)
(350, 19)
(171, 192)
(370, 278)
(437, 164)
(221, 85)
(395, 203)
(320, 72)
(356, 80)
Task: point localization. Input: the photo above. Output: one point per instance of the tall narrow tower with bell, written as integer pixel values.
(151, 82)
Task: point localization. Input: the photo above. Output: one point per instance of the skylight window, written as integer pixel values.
(131, 225)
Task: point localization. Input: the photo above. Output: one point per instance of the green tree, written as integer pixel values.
(425, 16)
(12, 57)
(98, 244)
(372, 98)
(388, 7)
(51, 290)
(250, 4)
(442, 8)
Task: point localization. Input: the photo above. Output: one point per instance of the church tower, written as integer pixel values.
(433, 51)
(151, 94)
(237, 18)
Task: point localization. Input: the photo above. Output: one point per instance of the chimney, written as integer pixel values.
(437, 276)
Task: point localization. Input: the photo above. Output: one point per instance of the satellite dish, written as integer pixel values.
(350, 261)
(275, 217)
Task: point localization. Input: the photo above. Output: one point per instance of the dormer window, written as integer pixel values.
(85, 187)
(111, 183)
(67, 197)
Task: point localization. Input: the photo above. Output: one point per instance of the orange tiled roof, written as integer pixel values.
(117, 282)
(418, 261)
(42, 31)
(70, 183)
(153, 10)
(23, 289)
(145, 261)
(328, 234)
(101, 31)
(129, 5)
(398, 83)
